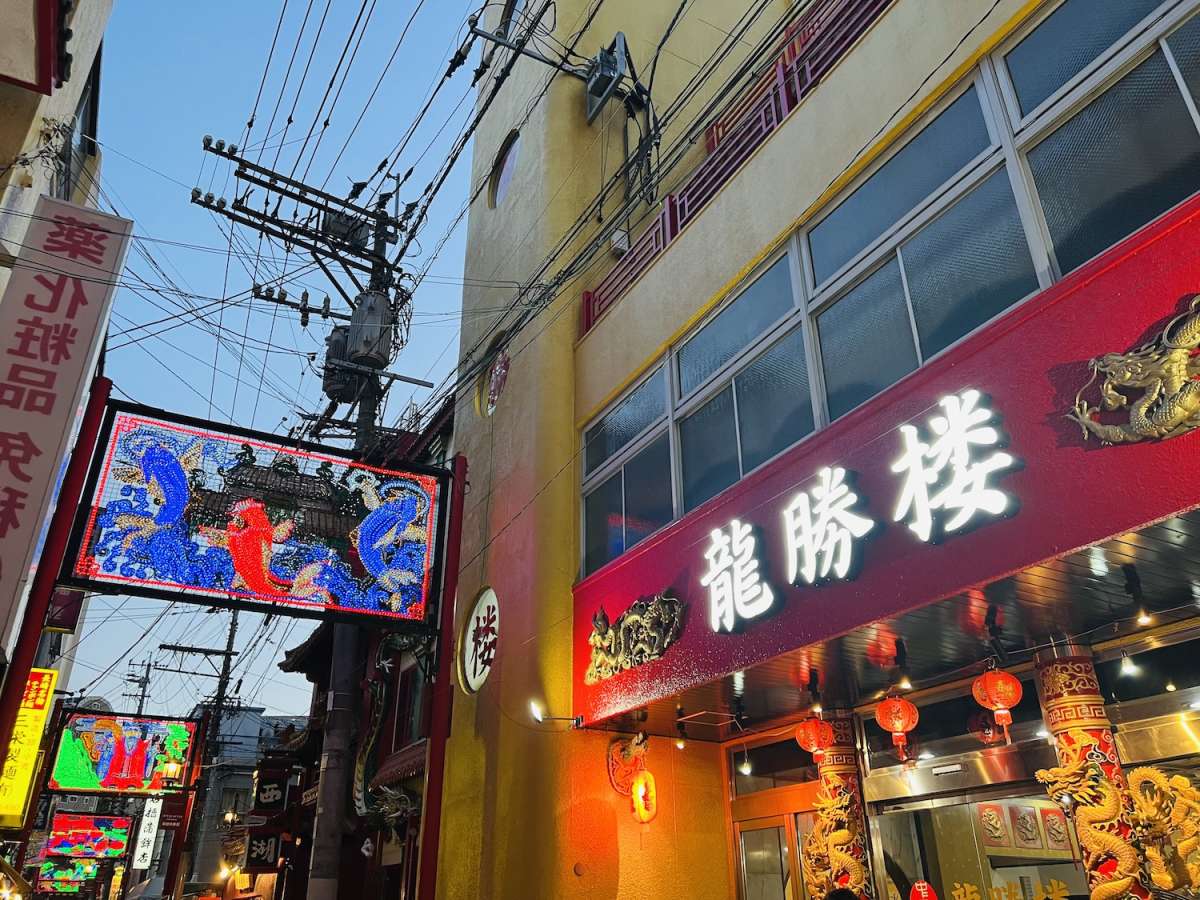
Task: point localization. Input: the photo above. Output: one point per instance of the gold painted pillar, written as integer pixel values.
(1088, 780)
(835, 854)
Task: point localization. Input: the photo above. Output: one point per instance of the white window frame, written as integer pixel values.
(1012, 137)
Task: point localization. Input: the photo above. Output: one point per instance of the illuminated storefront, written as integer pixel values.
(885, 492)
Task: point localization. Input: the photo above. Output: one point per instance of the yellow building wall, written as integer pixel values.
(527, 809)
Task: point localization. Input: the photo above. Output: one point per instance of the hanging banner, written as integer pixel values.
(183, 509)
(108, 753)
(143, 849)
(270, 789)
(84, 836)
(262, 850)
(21, 761)
(52, 317)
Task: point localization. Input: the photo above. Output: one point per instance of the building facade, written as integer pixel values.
(832, 466)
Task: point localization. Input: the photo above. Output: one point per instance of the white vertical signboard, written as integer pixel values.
(52, 319)
(143, 850)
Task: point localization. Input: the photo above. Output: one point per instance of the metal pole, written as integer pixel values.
(439, 728)
(213, 742)
(53, 554)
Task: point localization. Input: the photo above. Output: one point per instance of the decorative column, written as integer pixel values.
(834, 853)
(1088, 780)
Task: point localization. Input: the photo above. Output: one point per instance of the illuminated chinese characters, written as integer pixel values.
(735, 590)
(821, 528)
(21, 759)
(946, 485)
(949, 475)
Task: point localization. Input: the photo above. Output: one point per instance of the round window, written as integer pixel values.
(502, 171)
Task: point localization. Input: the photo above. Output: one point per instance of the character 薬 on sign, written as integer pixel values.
(822, 528)
(950, 474)
(735, 590)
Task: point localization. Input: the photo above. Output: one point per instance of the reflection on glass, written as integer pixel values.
(648, 492)
(603, 525)
(1019, 848)
(774, 404)
(765, 871)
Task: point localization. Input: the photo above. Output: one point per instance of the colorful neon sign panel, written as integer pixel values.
(60, 887)
(68, 870)
(86, 836)
(183, 509)
(115, 754)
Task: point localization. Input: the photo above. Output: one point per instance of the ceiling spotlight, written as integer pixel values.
(1195, 704)
(680, 743)
(817, 709)
(1043, 733)
(905, 683)
(1171, 687)
(1128, 666)
(1144, 618)
(744, 766)
(681, 740)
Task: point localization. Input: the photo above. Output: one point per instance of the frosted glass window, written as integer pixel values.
(1129, 155)
(866, 341)
(1066, 42)
(640, 408)
(968, 265)
(941, 149)
(758, 307)
(648, 505)
(774, 403)
(708, 440)
(604, 535)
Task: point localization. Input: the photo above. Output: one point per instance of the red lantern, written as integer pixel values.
(815, 736)
(643, 795)
(898, 716)
(998, 691)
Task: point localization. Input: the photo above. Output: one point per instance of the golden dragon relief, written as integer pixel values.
(1163, 370)
(828, 853)
(1167, 819)
(640, 634)
(1097, 804)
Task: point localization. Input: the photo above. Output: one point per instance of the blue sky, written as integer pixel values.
(171, 73)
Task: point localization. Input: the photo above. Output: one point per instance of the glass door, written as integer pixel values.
(765, 850)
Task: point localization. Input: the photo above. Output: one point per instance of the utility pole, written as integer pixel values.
(143, 683)
(335, 232)
(212, 740)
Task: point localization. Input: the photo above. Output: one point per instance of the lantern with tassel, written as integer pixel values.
(898, 716)
(816, 736)
(643, 796)
(998, 691)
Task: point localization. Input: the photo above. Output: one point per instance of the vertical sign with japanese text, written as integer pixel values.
(143, 849)
(20, 761)
(52, 319)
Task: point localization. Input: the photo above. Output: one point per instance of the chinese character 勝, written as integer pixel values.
(821, 527)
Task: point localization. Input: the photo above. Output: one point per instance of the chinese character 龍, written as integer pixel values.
(820, 527)
(949, 475)
(734, 588)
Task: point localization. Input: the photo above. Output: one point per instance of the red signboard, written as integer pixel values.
(922, 890)
(1056, 491)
